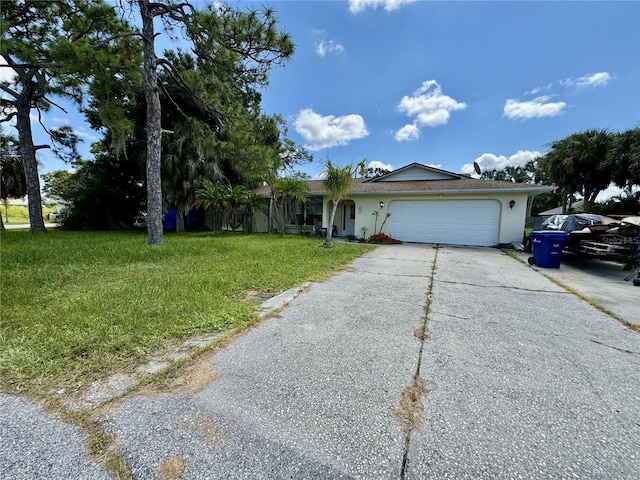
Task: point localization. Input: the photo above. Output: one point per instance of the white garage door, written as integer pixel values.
(454, 222)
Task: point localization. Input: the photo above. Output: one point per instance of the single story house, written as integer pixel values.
(423, 204)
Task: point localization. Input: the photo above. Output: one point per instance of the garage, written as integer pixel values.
(454, 222)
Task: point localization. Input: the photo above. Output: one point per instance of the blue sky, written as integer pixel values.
(447, 83)
(450, 83)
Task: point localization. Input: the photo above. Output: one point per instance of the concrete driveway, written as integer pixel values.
(416, 363)
(599, 281)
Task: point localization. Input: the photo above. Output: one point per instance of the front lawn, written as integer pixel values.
(79, 305)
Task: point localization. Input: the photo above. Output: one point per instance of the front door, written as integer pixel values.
(348, 221)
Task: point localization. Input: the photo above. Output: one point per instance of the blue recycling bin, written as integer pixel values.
(547, 246)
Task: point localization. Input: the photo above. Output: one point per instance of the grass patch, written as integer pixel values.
(77, 306)
(19, 214)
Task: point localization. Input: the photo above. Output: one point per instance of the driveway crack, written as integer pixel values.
(616, 348)
(410, 413)
(505, 287)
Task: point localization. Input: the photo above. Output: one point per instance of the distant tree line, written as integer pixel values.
(584, 164)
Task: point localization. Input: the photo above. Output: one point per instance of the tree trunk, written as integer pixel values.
(179, 220)
(154, 129)
(28, 152)
(330, 226)
(589, 200)
(270, 219)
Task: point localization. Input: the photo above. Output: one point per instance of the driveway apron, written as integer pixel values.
(310, 393)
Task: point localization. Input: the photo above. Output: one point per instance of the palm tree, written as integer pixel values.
(288, 191)
(189, 162)
(579, 164)
(337, 182)
(230, 206)
(624, 158)
(252, 204)
(213, 198)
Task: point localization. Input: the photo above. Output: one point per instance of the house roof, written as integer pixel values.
(578, 205)
(417, 171)
(421, 179)
(363, 186)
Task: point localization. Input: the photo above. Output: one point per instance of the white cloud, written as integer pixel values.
(429, 106)
(220, 7)
(380, 165)
(328, 131)
(357, 6)
(490, 161)
(537, 108)
(537, 90)
(323, 48)
(408, 132)
(598, 79)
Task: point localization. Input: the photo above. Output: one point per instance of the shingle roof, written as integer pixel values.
(364, 186)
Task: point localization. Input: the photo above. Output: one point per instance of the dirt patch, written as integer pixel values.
(172, 468)
(194, 376)
(254, 295)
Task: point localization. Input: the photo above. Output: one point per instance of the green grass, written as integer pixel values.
(78, 305)
(19, 214)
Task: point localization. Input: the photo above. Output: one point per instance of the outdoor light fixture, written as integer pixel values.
(511, 204)
(381, 204)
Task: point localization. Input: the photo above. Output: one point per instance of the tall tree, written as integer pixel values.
(337, 182)
(247, 43)
(55, 48)
(578, 163)
(148, 11)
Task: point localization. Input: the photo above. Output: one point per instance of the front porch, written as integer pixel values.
(314, 215)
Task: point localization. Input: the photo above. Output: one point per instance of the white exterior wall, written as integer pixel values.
(511, 225)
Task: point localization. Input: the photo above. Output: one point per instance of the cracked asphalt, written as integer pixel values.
(523, 380)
